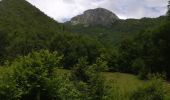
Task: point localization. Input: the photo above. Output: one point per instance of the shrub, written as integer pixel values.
(153, 90)
(8, 86)
(88, 80)
(32, 78)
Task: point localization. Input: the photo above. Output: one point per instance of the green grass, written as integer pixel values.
(121, 84)
(126, 82)
(167, 87)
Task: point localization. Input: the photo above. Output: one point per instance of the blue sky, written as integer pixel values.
(63, 10)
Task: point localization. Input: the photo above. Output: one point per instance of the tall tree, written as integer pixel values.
(3, 45)
(168, 13)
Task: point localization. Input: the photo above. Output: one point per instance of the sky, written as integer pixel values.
(64, 10)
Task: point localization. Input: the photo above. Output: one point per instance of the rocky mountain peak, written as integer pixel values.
(98, 16)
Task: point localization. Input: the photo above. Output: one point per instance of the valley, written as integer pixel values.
(94, 56)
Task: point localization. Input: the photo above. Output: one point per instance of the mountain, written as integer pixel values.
(119, 30)
(26, 28)
(29, 29)
(98, 16)
(20, 17)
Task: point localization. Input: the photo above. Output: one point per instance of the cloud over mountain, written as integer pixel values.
(62, 10)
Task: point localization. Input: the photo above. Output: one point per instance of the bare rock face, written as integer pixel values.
(98, 16)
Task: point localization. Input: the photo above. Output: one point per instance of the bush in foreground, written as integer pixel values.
(153, 90)
(33, 77)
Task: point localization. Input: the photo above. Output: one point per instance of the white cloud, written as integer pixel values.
(62, 10)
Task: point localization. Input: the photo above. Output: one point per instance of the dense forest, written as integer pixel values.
(41, 59)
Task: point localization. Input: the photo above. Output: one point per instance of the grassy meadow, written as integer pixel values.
(121, 85)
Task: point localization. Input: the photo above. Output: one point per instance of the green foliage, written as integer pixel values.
(35, 77)
(30, 76)
(126, 46)
(89, 81)
(120, 30)
(154, 90)
(161, 41)
(8, 86)
(74, 47)
(60, 87)
(147, 52)
(33, 72)
(27, 28)
(30, 30)
(3, 45)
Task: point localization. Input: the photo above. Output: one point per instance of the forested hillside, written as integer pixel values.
(119, 30)
(41, 59)
(25, 27)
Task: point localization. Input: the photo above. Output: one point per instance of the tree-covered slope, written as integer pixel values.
(20, 17)
(119, 30)
(24, 28)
